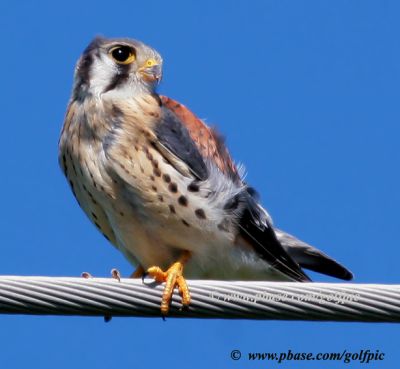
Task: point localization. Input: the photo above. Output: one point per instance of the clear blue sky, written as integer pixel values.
(307, 94)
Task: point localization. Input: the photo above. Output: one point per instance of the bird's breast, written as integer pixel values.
(80, 157)
(138, 199)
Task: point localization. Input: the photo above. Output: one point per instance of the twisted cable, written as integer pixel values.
(210, 299)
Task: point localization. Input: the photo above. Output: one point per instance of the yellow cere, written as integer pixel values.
(151, 63)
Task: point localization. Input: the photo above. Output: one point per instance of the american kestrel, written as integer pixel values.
(160, 184)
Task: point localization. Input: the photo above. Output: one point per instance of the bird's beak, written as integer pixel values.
(151, 71)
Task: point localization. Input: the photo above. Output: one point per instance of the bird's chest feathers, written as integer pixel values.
(81, 150)
(104, 144)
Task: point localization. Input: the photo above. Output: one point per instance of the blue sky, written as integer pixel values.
(307, 95)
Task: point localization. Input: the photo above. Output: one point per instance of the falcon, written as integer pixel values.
(161, 186)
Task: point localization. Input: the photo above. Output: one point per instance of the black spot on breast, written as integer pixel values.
(153, 114)
(161, 198)
(172, 209)
(193, 187)
(223, 226)
(116, 111)
(185, 223)
(157, 172)
(173, 187)
(154, 188)
(94, 215)
(166, 178)
(149, 156)
(200, 213)
(182, 200)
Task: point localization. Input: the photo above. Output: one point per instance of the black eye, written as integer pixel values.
(123, 54)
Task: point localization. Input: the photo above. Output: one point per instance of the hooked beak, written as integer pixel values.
(151, 71)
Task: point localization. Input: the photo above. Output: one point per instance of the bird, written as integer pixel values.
(161, 185)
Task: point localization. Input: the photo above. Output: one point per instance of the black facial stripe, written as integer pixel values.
(87, 60)
(119, 78)
(84, 68)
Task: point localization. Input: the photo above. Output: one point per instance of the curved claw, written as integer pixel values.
(115, 274)
(173, 277)
(144, 275)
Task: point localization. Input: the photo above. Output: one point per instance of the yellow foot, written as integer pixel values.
(172, 277)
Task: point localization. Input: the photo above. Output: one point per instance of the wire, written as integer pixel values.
(210, 299)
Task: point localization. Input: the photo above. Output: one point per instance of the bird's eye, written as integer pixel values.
(123, 54)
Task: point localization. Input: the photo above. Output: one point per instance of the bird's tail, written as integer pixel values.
(311, 258)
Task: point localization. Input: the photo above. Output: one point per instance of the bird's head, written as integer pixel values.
(122, 66)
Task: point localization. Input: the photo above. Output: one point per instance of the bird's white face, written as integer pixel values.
(118, 66)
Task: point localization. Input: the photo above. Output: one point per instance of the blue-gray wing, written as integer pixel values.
(173, 135)
(311, 258)
(255, 227)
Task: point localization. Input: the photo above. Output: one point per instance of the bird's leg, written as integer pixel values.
(138, 273)
(172, 277)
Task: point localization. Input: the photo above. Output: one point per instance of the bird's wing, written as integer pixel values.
(254, 225)
(256, 228)
(176, 145)
(311, 258)
(208, 142)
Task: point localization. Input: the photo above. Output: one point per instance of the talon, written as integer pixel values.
(86, 275)
(184, 292)
(173, 278)
(138, 273)
(107, 318)
(115, 274)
